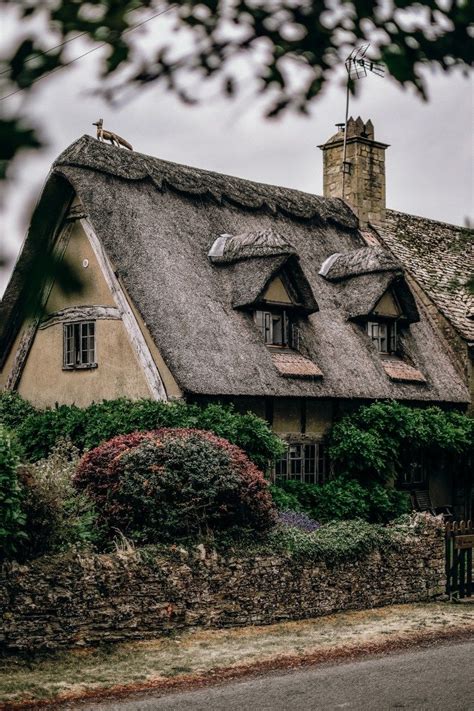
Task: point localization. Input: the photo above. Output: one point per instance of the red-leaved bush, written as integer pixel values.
(168, 483)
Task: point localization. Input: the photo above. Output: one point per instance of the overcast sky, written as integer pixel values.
(429, 162)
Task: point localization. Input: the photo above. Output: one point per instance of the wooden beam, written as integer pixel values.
(28, 337)
(80, 313)
(132, 327)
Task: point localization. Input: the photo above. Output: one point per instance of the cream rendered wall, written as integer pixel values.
(319, 417)
(7, 366)
(288, 417)
(44, 382)
(276, 292)
(173, 390)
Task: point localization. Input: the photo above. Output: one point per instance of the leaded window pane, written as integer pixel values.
(303, 462)
(383, 335)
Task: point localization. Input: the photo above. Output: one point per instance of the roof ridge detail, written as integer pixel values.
(91, 154)
(247, 245)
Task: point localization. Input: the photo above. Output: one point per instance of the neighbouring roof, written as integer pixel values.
(441, 259)
(158, 222)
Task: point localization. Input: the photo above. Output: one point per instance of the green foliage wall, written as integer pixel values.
(38, 430)
(378, 441)
(342, 499)
(12, 518)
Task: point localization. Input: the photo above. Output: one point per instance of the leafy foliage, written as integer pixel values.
(377, 441)
(278, 40)
(169, 483)
(13, 409)
(57, 516)
(334, 542)
(284, 499)
(87, 427)
(12, 518)
(344, 499)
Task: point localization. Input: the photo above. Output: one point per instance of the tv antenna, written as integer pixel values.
(357, 66)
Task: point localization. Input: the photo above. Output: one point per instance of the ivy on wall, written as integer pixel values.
(379, 440)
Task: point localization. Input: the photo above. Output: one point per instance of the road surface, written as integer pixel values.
(440, 677)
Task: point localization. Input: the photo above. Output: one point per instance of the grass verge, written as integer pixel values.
(204, 656)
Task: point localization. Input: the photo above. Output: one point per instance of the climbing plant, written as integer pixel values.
(378, 441)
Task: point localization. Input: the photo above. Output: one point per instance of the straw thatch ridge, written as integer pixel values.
(158, 241)
(89, 153)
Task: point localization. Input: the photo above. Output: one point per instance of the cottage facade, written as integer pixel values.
(211, 288)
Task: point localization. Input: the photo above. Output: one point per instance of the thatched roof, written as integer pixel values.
(158, 221)
(441, 258)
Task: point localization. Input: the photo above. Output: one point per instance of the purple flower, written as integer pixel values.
(298, 519)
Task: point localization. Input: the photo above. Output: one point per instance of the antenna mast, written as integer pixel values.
(357, 67)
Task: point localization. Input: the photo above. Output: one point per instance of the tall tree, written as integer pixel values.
(292, 46)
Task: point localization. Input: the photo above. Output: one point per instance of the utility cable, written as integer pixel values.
(75, 59)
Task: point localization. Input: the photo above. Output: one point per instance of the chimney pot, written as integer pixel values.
(362, 173)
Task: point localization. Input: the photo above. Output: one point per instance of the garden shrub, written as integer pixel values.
(57, 516)
(168, 483)
(13, 409)
(284, 500)
(87, 427)
(377, 441)
(336, 542)
(387, 503)
(343, 499)
(12, 517)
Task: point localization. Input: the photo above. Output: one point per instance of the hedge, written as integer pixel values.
(37, 431)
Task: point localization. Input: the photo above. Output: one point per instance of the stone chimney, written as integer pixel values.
(363, 175)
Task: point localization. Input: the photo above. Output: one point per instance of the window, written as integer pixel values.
(303, 462)
(276, 328)
(414, 470)
(383, 335)
(79, 345)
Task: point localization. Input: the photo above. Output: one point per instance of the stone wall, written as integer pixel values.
(74, 600)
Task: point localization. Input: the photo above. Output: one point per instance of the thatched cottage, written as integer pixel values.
(208, 287)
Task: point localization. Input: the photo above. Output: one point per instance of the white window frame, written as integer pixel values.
(79, 345)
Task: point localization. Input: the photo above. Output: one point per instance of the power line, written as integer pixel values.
(48, 51)
(94, 49)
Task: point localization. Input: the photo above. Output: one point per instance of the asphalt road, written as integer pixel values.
(440, 677)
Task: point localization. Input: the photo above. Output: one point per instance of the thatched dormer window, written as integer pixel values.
(382, 325)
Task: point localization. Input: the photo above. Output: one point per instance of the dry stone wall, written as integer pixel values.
(74, 600)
